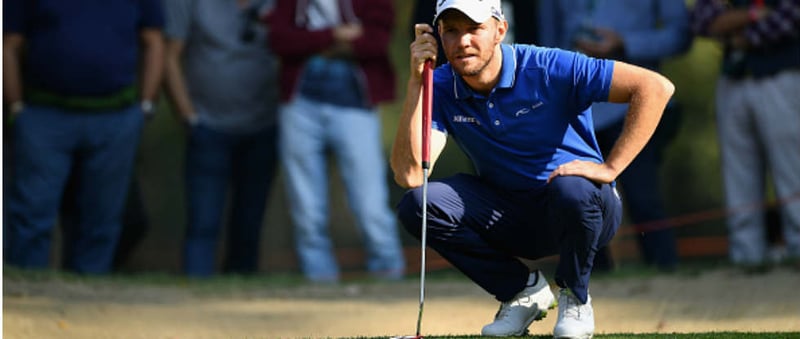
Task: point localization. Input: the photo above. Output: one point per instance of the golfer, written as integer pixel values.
(522, 115)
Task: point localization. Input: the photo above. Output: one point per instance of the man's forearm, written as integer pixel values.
(406, 158)
(12, 78)
(647, 101)
(176, 86)
(729, 22)
(152, 63)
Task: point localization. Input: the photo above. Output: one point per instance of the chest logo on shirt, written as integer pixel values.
(522, 112)
(465, 119)
(526, 110)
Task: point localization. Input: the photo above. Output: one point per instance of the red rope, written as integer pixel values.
(698, 217)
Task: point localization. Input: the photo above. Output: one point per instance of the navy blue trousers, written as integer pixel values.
(227, 169)
(483, 230)
(99, 149)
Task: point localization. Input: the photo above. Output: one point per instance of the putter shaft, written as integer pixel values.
(423, 239)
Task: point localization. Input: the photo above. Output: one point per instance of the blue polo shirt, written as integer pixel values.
(536, 118)
(81, 47)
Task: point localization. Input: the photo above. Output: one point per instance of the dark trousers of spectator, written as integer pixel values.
(134, 223)
(220, 166)
(48, 143)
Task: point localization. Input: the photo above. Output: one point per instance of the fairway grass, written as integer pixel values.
(709, 335)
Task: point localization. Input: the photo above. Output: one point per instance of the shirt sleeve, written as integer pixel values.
(782, 22)
(703, 14)
(378, 23)
(287, 39)
(591, 78)
(152, 14)
(178, 14)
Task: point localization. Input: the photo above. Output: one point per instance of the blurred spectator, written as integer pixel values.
(221, 78)
(76, 106)
(335, 70)
(644, 33)
(758, 117)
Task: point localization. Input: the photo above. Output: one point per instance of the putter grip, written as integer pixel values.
(427, 107)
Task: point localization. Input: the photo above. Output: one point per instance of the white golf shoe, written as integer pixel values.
(575, 320)
(517, 314)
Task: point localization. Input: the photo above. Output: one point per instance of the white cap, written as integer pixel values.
(477, 10)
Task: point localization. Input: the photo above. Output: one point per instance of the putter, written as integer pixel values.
(427, 107)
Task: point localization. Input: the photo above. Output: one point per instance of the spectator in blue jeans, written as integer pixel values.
(222, 82)
(76, 105)
(644, 33)
(335, 70)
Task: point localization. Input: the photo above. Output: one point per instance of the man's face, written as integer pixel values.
(469, 46)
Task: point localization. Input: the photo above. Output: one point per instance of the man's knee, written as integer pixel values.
(572, 193)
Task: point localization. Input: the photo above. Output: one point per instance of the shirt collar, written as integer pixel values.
(507, 74)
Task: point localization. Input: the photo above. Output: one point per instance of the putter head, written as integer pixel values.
(407, 337)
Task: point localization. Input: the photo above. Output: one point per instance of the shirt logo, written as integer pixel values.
(465, 119)
(526, 110)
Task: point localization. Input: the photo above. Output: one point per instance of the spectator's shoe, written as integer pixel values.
(575, 320)
(517, 314)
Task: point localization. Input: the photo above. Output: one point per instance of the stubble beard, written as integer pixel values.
(466, 72)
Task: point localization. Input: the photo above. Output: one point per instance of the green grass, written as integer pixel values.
(710, 335)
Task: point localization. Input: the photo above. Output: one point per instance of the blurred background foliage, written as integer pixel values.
(690, 174)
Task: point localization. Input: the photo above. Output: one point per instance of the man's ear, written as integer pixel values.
(502, 29)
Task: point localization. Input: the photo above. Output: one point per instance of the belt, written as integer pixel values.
(117, 100)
